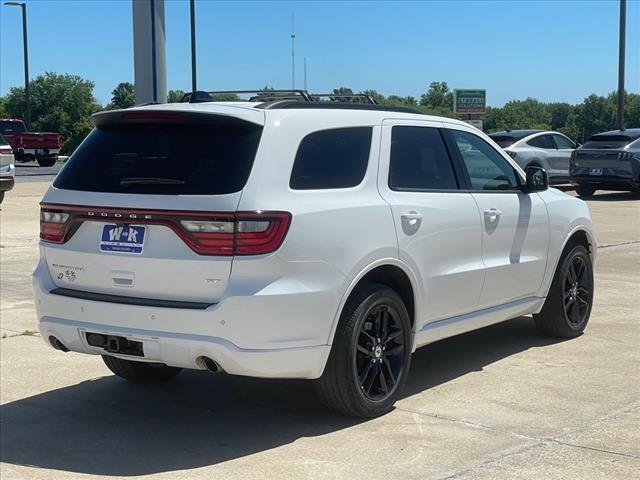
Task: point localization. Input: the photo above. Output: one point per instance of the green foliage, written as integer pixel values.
(175, 96)
(59, 103)
(122, 96)
(437, 97)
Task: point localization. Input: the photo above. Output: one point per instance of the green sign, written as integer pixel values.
(469, 101)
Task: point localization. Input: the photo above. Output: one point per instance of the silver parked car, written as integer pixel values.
(549, 150)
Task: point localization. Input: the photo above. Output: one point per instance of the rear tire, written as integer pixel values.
(584, 191)
(370, 356)
(47, 162)
(566, 311)
(140, 372)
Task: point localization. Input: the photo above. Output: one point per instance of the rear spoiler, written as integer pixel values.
(126, 116)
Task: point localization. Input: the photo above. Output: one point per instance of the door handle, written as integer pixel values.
(492, 214)
(411, 218)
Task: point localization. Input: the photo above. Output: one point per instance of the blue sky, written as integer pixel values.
(550, 50)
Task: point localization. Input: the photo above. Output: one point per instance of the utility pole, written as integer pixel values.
(621, 55)
(293, 55)
(305, 73)
(27, 91)
(192, 8)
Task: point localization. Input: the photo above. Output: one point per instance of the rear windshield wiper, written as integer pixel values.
(128, 181)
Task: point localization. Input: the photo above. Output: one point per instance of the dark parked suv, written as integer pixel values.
(607, 161)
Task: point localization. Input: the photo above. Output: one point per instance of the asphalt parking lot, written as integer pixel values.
(502, 402)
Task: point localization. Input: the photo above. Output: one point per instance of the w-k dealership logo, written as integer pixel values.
(122, 239)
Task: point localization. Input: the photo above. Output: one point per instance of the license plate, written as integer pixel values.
(39, 151)
(122, 239)
(595, 171)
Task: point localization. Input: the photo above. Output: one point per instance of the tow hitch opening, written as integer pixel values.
(115, 344)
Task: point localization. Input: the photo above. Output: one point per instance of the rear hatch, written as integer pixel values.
(604, 156)
(146, 206)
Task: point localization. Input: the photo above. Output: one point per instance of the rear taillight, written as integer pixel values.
(241, 233)
(54, 225)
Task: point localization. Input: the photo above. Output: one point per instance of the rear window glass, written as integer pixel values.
(503, 141)
(11, 127)
(3, 141)
(164, 158)
(335, 158)
(607, 141)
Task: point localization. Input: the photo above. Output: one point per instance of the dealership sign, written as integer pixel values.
(469, 101)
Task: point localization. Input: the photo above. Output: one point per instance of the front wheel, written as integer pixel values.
(568, 306)
(140, 372)
(370, 356)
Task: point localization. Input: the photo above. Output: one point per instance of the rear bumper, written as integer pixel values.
(39, 152)
(273, 336)
(6, 182)
(187, 351)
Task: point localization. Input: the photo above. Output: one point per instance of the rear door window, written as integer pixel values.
(210, 158)
(419, 160)
(335, 158)
(542, 141)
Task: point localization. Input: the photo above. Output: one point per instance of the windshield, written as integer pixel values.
(11, 128)
(164, 158)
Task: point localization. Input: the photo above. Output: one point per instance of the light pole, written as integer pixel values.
(621, 55)
(27, 96)
(192, 9)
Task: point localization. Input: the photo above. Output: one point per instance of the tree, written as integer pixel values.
(59, 103)
(122, 96)
(175, 96)
(438, 96)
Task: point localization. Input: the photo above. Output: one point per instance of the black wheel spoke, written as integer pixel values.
(383, 381)
(393, 351)
(392, 376)
(364, 374)
(575, 312)
(391, 337)
(372, 377)
(582, 300)
(371, 338)
(571, 274)
(384, 324)
(365, 351)
(583, 290)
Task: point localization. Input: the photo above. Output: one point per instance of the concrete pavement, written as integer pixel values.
(502, 402)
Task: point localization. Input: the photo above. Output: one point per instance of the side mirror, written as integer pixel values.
(537, 180)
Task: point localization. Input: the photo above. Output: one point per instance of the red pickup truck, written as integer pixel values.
(26, 146)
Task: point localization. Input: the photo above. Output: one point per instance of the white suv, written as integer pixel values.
(300, 240)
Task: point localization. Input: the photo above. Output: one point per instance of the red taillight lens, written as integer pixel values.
(258, 233)
(242, 233)
(54, 225)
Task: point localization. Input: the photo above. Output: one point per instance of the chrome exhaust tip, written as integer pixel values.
(57, 344)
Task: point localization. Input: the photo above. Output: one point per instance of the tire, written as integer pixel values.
(358, 352)
(584, 191)
(47, 162)
(140, 372)
(571, 288)
(1, 196)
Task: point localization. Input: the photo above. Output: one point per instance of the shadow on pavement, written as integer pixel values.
(109, 427)
(614, 197)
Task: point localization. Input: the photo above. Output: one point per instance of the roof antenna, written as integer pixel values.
(293, 55)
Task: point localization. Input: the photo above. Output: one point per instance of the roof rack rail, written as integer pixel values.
(295, 104)
(349, 96)
(259, 95)
(274, 95)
